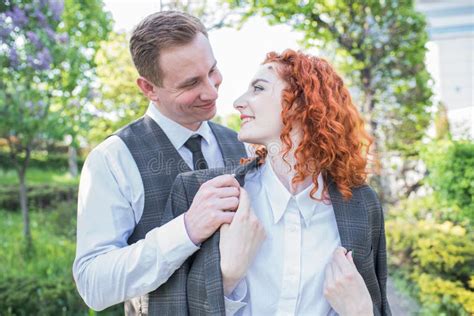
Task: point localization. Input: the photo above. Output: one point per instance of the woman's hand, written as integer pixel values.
(239, 242)
(344, 287)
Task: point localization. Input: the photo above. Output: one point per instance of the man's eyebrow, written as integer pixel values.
(188, 82)
(192, 79)
(258, 80)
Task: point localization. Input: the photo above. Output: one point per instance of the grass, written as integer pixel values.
(53, 254)
(54, 250)
(38, 176)
(47, 270)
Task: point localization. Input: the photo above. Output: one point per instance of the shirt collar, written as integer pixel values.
(306, 204)
(177, 133)
(279, 196)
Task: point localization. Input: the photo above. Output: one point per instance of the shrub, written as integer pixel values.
(435, 292)
(434, 254)
(41, 160)
(451, 173)
(40, 196)
(34, 296)
(63, 220)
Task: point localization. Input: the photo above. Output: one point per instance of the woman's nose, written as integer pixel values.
(240, 102)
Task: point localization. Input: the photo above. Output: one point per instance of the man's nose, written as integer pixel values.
(210, 92)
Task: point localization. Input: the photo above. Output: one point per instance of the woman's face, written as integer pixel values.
(260, 107)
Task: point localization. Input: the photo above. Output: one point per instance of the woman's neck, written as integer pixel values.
(284, 170)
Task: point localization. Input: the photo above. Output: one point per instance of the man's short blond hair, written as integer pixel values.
(157, 32)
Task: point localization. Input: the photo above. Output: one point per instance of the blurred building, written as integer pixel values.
(450, 59)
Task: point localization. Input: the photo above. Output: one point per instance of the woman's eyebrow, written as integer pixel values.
(258, 80)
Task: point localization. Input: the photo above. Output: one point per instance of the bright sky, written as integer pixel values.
(238, 52)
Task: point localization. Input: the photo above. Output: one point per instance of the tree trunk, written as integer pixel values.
(72, 160)
(24, 209)
(375, 164)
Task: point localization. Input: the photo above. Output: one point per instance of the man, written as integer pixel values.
(122, 251)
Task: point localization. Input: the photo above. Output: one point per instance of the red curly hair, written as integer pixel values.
(334, 141)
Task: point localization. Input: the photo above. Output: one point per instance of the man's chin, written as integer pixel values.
(210, 113)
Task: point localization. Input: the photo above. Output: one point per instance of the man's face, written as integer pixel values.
(190, 82)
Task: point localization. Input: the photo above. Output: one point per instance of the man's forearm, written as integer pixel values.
(110, 274)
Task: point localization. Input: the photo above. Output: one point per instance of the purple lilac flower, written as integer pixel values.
(14, 61)
(5, 31)
(41, 17)
(51, 34)
(18, 17)
(44, 59)
(31, 61)
(62, 38)
(57, 8)
(34, 39)
(29, 105)
(41, 107)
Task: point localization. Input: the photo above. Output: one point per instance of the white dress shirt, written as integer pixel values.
(287, 275)
(111, 199)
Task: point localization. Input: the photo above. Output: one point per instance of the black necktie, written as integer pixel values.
(194, 145)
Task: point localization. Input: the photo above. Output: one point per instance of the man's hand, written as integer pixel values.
(239, 243)
(344, 287)
(210, 205)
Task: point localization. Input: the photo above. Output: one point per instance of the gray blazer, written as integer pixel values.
(196, 287)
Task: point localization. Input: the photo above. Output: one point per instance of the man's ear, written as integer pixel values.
(148, 88)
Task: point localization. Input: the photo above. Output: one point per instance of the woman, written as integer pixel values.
(313, 241)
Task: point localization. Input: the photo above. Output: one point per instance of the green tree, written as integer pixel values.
(380, 47)
(213, 14)
(87, 25)
(36, 61)
(120, 101)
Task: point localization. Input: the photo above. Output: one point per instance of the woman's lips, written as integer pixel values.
(246, 118)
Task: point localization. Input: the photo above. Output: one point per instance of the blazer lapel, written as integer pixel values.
(352, 221)
(210, 249)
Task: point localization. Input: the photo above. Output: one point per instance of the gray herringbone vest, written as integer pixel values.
(159, 163)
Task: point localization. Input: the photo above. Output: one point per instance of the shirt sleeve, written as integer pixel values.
(106, 269)
(235, 301)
